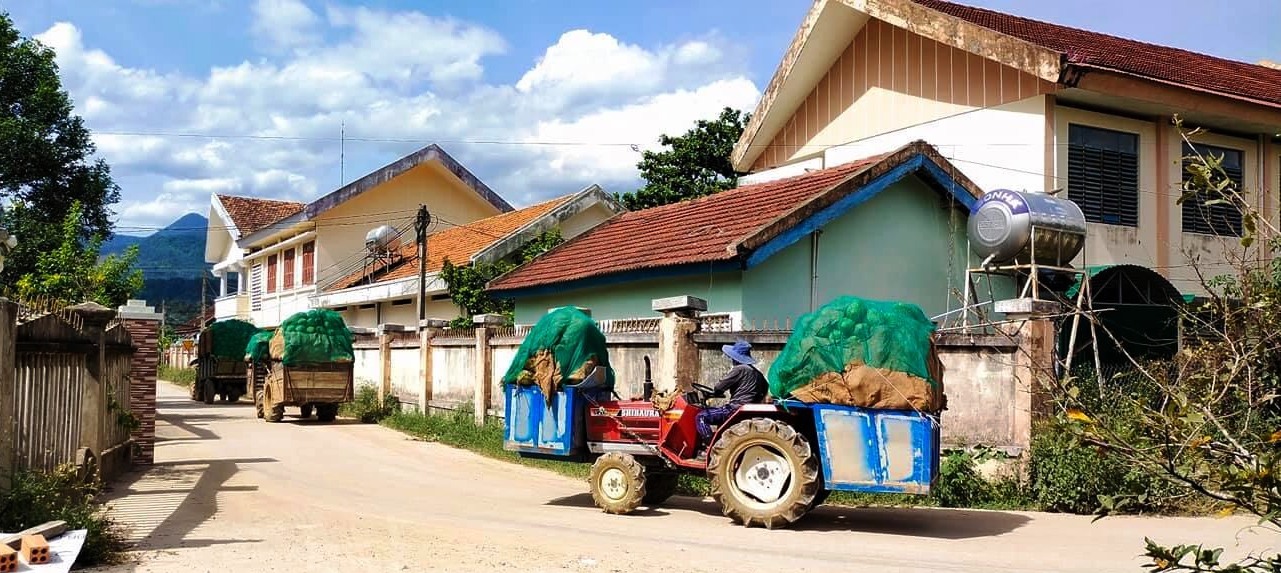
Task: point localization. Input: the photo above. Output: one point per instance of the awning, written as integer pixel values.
(1112, 283)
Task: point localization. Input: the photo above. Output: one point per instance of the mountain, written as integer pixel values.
(172, 262)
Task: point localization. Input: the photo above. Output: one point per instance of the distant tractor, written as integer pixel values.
(308, 364)
(219, 363)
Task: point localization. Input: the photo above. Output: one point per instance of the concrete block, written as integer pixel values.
(1027, 306)
(489, 320)
(433, 323)
(35, 550)
(8, 559)
(684, 303)
(385, 328)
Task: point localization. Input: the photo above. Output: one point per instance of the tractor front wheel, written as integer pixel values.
(271, 411)
(763, 472)
(617, 483)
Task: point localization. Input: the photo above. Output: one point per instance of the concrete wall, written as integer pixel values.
(453, 370)
(632, 299)
(368, 364)
(983, 396)
(406, 370)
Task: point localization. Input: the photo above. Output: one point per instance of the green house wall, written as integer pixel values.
(907, 243)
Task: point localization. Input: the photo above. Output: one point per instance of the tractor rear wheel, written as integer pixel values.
(271, 411)
(763, 472)
(617, 483)
(326, 412)
(658, 487)
(209, 392)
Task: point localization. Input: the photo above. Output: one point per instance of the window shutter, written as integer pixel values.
(273, 270)
(1223, 219)
(255, 287)
(1103, 174)
(309, 263)
(289, 269)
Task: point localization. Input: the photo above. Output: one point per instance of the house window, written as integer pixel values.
(1222, 219)
(272, 271)
(289, 269)
(1103, 174)
(309, 263)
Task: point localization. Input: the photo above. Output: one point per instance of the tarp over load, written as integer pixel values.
(562, 349)
(259, 346)
(315, 336)
(859, 352)
(226, 338)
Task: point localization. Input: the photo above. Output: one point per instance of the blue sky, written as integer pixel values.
(399, 74)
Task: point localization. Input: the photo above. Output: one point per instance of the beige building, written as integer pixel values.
(1026, 105)
(281, 255)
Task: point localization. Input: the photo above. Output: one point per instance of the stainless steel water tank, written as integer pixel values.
(382, 238)
(1002, 223)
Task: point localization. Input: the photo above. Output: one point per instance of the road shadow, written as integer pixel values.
(908, 521)
(144, 501)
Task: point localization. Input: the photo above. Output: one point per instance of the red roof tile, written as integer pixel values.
(1162, 63)
(702, 230)
(458, 244)
(250, 214)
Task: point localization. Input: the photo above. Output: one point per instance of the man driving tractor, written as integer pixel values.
(745, 384)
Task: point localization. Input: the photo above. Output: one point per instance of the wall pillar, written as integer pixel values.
(1035, 359)
(8, 391)
(143, 324)
(485, 324)
(222, 283)
(427, 330)
(677, 362)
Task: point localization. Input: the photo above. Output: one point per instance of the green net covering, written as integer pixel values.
(226, 338)
(315, 336)
(859, 352)
(259, 346)
(561, 349)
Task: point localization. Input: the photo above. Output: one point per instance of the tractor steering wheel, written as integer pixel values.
(704, 389)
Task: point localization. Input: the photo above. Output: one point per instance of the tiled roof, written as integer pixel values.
(1162, 63)
(250, 214)
(458, 244)
(705, 230)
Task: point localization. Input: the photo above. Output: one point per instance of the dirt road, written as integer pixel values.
(232, 493)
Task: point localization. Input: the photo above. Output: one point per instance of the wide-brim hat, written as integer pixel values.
(740, 352)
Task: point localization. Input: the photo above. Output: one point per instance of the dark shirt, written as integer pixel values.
(745, 383)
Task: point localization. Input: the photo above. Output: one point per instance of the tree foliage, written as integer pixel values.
(72, 273)
(466, 283)
(1209, 420)
(46, 154)
(696, 164)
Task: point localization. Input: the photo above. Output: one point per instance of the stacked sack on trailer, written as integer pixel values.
(562, 349)
(859, 352)
(259, 347)
(316, 336)
(226, 338)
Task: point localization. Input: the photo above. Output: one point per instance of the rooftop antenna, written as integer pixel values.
(342, 153)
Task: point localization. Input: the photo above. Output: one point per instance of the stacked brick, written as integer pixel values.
(143, 324)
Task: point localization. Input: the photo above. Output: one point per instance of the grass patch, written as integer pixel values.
(180, 375)
(367, 408)
(39, 497)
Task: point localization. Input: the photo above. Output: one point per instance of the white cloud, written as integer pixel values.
(397, 80)
(285, 24)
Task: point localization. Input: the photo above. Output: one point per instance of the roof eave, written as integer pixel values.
(944, 28)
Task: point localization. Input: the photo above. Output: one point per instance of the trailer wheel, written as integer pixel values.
(659, 487)
(305, 411)
(271, 411)
(326, 412)
(763, 472)
(617, 483)
(210, 393)
(258, 402)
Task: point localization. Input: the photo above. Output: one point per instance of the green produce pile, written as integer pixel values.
(312, 337)
(259, 347)
(859, 352)
(226, 338)
(560, 350)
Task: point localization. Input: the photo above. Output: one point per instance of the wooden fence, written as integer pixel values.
(67, 390)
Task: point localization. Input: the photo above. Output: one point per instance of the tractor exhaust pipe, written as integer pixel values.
(649, 382)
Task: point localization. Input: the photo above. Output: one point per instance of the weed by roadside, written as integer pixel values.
(182, 376)
(367, 408)
(39, 497)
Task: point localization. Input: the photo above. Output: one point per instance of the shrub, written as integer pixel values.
(182, 376)
(367, 408)
(1069, 476)
(959, 483)
(39, 497)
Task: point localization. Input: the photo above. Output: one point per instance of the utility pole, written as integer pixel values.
(420, 227)
(204, 287)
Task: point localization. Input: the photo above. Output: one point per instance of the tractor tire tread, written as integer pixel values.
(805, 485)
(635, 473)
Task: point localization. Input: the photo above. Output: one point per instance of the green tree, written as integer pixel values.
(1207, 421)
(72, 273)
(46, 154)
(696, 164)
(466, 283)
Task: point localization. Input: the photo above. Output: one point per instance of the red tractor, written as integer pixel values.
(768, 464)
